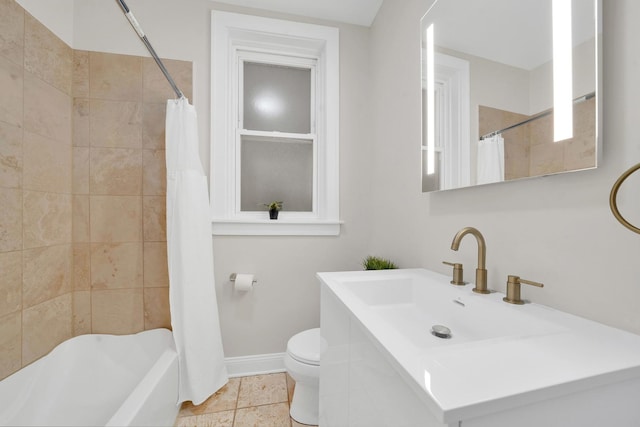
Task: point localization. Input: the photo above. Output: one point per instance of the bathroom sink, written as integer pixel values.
(497, 355)
(411, 304)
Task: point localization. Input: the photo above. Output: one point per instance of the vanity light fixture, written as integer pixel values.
(562, 71)
(431, 87)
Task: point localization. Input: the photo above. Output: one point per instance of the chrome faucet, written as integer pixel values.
(481, 271)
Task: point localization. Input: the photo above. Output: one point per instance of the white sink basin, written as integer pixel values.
(412, 303)
(498, 356)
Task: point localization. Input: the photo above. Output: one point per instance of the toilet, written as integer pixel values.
(302, 362)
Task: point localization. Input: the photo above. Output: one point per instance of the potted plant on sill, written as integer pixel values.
(274, 208)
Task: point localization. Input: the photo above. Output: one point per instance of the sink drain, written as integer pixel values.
(441, 331)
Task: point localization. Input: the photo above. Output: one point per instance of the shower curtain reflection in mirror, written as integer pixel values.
(490, 160)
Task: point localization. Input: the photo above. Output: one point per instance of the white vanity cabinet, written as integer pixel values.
(563, 371)
(358, 384)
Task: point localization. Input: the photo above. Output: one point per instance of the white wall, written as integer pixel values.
(56, 15)
(509, 88)
(584, 77)
(286, 299)
(557, 230)
(494, 85)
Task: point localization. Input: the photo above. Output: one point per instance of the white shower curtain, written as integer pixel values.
(490, 160)
(192, 295)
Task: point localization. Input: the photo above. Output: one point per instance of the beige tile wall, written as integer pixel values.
(118, 180)
(516, 141)
(82, 190)
(36, 258)
(530, 150)
(578, 152)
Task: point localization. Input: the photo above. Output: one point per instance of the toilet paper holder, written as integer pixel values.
(232, 277)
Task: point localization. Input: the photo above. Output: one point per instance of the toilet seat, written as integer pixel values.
(306, 347)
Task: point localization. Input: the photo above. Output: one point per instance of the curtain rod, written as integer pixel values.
(536, 117)
(143, 37)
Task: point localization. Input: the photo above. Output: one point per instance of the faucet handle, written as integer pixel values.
(457, 273)
(513, 289)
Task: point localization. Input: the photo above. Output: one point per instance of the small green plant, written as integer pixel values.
(274, 206)
(377, 263)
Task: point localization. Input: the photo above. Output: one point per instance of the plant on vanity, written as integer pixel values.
(274, 208)
(376, 263)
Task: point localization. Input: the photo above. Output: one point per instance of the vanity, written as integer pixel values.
(495, 364)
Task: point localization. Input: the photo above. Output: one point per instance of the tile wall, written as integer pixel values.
(119, 239)
(578, 152)
(516, 141)
(530, 150)
(35, 189)
(82, 237)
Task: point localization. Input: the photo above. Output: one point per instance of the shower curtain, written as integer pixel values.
(490, 160)
(192, 295)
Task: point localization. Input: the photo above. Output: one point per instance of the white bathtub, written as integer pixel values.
(97, 380)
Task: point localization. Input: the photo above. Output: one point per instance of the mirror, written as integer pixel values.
(509, 90)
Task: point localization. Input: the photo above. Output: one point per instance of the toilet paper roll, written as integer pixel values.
(243, 282)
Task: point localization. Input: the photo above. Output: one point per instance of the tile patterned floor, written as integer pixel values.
(256, 401)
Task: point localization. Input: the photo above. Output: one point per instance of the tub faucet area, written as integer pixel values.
(481, 271)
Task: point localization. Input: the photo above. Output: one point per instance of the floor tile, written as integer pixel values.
(276, 415)
(262, 390)
(217, 419)
(254, 401)
(291, 384)
(222, 400)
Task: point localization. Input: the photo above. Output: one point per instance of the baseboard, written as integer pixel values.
(258, 364)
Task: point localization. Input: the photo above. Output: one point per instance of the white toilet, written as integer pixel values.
(303, 364)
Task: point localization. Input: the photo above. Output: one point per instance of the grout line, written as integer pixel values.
(233, 422)
(88, 94)
(22, 125)
(238, 395)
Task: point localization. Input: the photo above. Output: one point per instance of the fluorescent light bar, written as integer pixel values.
(431, 133)
(562, 71)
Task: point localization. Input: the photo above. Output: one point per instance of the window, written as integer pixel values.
(274, 126)
(277, 132)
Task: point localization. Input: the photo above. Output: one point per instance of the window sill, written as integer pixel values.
(277, 227)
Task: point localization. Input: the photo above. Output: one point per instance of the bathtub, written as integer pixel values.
(97, 380)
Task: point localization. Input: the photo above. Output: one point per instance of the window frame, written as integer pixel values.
(241, 130)
(452, 94)
(236, 37)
